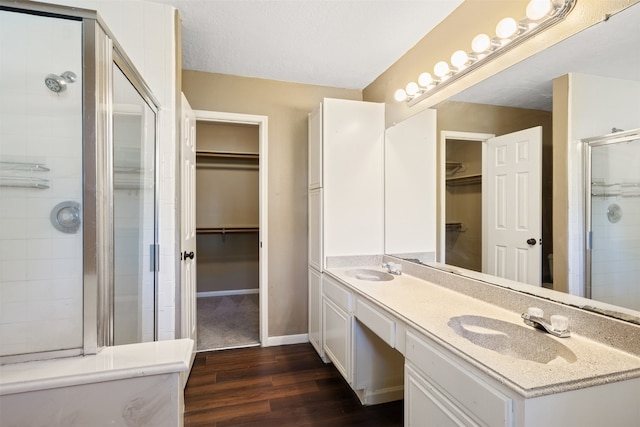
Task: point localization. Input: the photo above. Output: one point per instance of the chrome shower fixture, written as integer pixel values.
(58, 83)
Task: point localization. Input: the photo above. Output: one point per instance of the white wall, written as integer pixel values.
(596, 105)
(146, 31)
(40, 267)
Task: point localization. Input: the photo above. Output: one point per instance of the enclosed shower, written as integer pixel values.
(612, 172)
(78, 193)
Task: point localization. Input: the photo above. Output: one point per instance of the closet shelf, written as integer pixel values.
(224, 230)
(226, 154)
(455, 226)
(465, 180)
(453, 167)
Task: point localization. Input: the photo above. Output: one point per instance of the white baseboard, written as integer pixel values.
(374, 397)
(286, 340)
(226, 293)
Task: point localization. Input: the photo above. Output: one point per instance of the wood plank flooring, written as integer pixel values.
(276, 386)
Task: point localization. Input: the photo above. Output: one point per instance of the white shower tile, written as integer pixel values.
(67, 288)
(13, 334)
(40, 269)
(39, 248)
(40, 290)
(14, 270)
(66, 268)
(39, 207)
(67, 248)
(40, 310)
(38, 228)
(13, 292)
(13, 228)
(13, 312)
(14, 249)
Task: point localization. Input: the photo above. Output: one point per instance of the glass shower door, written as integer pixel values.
(613, 265)
(41, 188)
(134, 199)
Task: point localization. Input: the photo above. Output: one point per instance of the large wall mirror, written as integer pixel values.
(519, 101)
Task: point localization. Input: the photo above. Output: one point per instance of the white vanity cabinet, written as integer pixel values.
(337, 326)
(439, 391)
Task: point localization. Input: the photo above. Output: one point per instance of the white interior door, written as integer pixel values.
(188, 222)
(513, 206)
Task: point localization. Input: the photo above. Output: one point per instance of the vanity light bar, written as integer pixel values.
(540, 14)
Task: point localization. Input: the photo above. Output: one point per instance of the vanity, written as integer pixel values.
(460, 360)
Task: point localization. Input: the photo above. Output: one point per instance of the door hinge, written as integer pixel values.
(588, 240)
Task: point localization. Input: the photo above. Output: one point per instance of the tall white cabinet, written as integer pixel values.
(346, 191)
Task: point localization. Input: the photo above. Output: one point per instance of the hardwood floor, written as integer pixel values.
(276, 386)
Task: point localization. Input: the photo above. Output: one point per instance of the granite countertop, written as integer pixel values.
(428, 307)
(112, 363)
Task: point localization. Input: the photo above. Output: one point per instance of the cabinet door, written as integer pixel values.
(315, 148)
(315, 311)
(315, 229)
(353, 180)
(337, 337)
(424, 406)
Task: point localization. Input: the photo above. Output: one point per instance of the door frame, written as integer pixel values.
(442, 189)
(263, 134)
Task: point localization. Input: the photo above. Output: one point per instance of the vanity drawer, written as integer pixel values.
(337, 293)
(374, 319)
(478, 398)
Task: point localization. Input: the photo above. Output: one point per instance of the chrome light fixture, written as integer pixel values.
(540, 14)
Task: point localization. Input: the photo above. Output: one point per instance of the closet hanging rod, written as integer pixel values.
(227, 155)
(224, 230)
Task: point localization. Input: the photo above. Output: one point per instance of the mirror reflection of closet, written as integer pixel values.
(227, 218)
(463, 218)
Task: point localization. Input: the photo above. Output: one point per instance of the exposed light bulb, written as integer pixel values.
(412, 88)
(506, 28)
(400, 95)
(538, 9)
(480, 43)
(459, 58)
(425, 79)
(441, 69)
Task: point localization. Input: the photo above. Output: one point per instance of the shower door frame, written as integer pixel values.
(589, 144)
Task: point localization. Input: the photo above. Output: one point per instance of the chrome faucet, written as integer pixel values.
(393, 268)
(559, 326)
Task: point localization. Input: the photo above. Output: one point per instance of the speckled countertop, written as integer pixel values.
(428, 307)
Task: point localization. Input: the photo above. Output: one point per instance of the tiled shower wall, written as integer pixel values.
(616, 240)
(40, 267)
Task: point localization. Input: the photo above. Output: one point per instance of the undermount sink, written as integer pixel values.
(370, 275)
(509, 339)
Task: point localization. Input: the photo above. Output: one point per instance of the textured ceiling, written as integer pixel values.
(337, 43)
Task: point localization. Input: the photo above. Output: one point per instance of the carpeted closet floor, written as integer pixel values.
(228, 321)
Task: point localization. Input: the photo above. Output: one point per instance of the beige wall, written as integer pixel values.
(287, 106)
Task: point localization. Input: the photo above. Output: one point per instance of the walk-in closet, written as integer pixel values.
(227, 226)
(464, 204)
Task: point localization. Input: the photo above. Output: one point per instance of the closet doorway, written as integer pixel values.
(231, 230)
